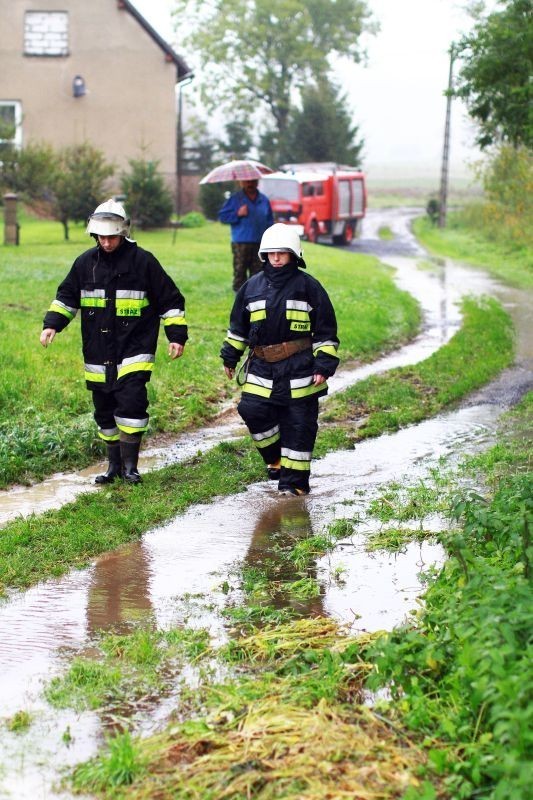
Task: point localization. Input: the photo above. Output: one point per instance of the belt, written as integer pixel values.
(277, 352)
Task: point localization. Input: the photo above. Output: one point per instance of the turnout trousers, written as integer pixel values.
(283, 432)
(122, 408)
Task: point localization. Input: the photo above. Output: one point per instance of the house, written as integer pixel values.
(74, 71)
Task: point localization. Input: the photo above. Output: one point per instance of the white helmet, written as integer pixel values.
(281, 237)
(109, 219)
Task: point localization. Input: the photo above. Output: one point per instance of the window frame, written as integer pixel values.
(17, 138)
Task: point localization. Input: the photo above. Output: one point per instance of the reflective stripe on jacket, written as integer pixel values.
(279, 305)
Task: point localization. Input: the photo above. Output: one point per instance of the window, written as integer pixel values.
(46, 33)
(280, 189)
(344, 198)
(10, 122)
(312, 189)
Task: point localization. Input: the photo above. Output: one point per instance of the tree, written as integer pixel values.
(29, 171)
(238, 141)
(495, 77)
(148, 199)
(257, 54)
(322, 129)
(78, 183)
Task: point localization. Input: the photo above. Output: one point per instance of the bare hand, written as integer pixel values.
(47, 336)
(243, 211)
(318, 379)
(230, 372)
(175, 350)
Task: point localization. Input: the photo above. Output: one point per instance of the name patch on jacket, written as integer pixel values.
(297, 312)
(130, 303)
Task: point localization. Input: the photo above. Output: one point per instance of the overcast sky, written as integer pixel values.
(397, 98)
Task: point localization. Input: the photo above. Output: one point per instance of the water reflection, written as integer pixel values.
(119, 591)
(277, 530)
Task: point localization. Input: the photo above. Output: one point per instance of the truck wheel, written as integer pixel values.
(348, 233)
(312, 233)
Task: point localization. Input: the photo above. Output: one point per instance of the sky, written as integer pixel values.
(397, 99)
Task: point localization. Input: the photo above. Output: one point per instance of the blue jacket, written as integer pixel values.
(252, 227)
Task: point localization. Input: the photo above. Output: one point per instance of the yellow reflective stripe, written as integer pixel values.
(136, 366)
(236, 343)
(61, 309)
(93, 302)
(130, 307)
(174, 321)
(301, 316)
(251, 388)
(128, 429)
(326, 348)
(306, 391)
(95, 377)
(289, 463)
(266, 442)
(255, 316)
(106, 438)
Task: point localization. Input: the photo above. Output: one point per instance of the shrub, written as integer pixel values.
(78, 183)
(148, 199)
(194, 219)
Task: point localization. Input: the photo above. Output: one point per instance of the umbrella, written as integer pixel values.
(245, 170)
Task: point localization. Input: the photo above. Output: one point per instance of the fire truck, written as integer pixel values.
(323, 199)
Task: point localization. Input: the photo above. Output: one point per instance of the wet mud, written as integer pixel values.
(196, 553)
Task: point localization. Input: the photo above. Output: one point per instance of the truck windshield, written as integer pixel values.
(279, 189)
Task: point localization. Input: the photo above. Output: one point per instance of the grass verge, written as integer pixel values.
(512, 264)
(48, 545)
(478, 351)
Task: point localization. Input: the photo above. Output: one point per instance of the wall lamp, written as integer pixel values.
(78, 86)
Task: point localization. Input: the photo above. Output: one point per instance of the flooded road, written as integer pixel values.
(194, 554)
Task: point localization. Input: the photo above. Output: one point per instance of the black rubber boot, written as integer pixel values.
(114, 469)
(130, 458)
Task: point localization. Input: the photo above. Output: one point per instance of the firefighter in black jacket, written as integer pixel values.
(123, 293)
(286, 319)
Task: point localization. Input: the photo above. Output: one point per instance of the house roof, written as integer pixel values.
(183, 70)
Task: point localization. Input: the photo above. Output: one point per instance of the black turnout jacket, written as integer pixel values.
(280, 305)
(123, 296)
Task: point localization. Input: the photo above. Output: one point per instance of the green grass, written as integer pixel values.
(463, 243)
(480, 349)
(45, 410)
(48, 545)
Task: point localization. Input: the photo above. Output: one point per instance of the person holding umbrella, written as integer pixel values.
(248, 212)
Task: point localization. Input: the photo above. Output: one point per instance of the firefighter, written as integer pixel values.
(286, 319)
(124, 293)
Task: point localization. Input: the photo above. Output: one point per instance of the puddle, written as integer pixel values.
(161, 575)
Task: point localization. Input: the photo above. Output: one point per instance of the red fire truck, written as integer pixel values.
(323, 199)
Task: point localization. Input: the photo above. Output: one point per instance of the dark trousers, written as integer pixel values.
(246, 262)
(122, 408)
(287, 432)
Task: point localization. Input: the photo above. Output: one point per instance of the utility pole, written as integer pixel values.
(443, 195)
